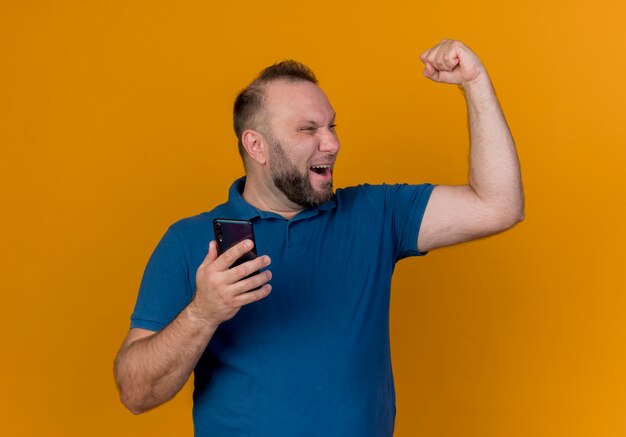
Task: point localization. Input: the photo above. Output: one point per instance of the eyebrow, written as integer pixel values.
(332, 120)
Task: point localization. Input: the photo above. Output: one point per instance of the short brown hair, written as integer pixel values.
(248, 109)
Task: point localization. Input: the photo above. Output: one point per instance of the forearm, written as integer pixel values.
(494, 166)
(151, 370)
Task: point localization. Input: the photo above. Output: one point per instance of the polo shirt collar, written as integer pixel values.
(246, 211)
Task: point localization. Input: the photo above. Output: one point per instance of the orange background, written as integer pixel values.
(115, 121)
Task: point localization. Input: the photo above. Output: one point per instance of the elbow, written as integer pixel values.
(136, 394)
(508, 210)
(518, 213)
(515, 215)
(132, 404)
(135, 411)
(518, 208)
(509, 217)
(129, 396)
(139, 399)
(499, 218)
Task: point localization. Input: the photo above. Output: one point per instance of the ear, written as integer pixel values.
(255, 144)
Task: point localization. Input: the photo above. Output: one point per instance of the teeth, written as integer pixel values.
(321, 166)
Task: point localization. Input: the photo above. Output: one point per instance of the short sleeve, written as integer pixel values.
(408, 203)
(165, 289)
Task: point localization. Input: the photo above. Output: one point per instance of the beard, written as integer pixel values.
(293, 184)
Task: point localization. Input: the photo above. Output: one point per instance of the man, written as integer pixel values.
(311, 358)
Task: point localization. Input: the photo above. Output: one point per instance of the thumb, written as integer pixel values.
(211, 256)
(441, 76)
(431, 72)
(449, 77)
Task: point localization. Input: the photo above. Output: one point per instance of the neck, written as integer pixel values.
(267, 197)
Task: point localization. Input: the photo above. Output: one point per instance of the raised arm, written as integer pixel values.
(151, 368)
(493, 200)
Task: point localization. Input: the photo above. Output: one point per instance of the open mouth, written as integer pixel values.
(324, 169)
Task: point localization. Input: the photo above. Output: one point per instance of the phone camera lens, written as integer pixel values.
(218, 231)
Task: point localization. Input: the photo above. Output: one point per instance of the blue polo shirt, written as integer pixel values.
(313, 358)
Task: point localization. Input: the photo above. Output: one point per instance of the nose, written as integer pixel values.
(329, 143)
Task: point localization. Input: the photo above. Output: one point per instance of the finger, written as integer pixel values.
(245, 285)
(429, 55)
(450, 60)
(253, 296)
(439, 61)
(430, 71)
(448, 77)
(225, 260)
(424, 56)
(442, 76)
(211, 255)
(447, 57)
(241, 271)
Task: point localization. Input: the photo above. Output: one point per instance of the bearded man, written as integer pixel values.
(312, 357)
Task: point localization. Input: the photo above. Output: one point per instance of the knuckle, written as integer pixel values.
(242, 246)
(260, 280)
(252, 297)
(250, 284)
(237, 272)
(229, 256)
(243, 270)
(235, 252)
(254, 282)
(256, 295)
(255, 265)
(259, 262)
(264, 291)
(252, 266)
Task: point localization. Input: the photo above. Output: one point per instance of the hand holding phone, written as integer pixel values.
(229, 277)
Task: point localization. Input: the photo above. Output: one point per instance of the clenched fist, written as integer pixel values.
(452, 62)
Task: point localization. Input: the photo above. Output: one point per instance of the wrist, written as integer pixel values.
(199, 317)
(480, 83)
(479, 92)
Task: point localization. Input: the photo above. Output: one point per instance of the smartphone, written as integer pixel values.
(229, 232)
